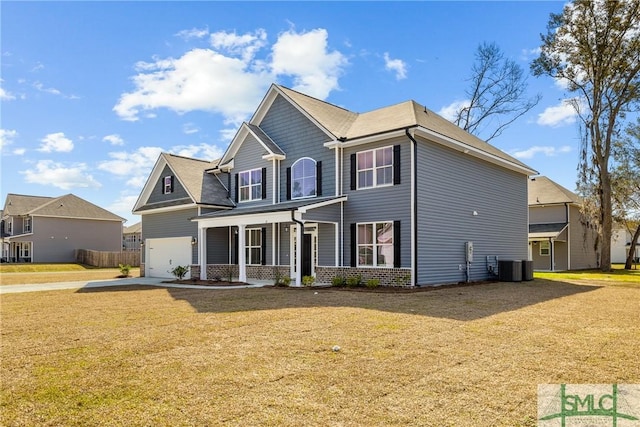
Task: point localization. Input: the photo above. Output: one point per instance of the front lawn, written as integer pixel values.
(32, 273)
(617, 275)
(469, 356)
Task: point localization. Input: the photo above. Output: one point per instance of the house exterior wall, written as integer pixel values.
(582, 241)
(179, 192)
(71, 234)
(389, 203)
(248, 157)
(175, 223)
(548, 214)
(298, 137)
(451, 186)
(218, 245)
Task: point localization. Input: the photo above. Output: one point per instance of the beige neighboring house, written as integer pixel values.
(560, 237)
(132, 237)
(51, 229)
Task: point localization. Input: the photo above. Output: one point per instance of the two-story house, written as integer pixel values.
(51, 229)
(310, 188)
(132, 237)
(561, 237)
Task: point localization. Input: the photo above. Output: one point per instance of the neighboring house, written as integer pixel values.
(51, 229)
(309, 188)
(132, 237)
(620, 246)
(560, 236)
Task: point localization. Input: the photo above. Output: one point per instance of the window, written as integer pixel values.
(167, 185)
(10, 226)
(26, 222)
(375, 244)
(545, 248)
(253, 246)
(375, 167)
(250, 185)
(26, 250)
(303, 178)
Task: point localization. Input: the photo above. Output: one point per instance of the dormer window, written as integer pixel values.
(303, 178)
(167, 185)
(250, 185)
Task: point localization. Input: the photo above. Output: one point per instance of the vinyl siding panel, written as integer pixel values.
(390, 203)
(285, 242)
(248, 157)
(547, 214)
(330, 213)
(298, 137)
(583, 238)
(218, 245)
(326, 244)
(71, 234)
(451, 186)
(171, 224)
(178, 193)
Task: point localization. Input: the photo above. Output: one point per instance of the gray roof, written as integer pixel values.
(543, 191)
(134, 228)
(203, 187)
(543, 231)
(272, 146)
(344, 124)
(67, 206)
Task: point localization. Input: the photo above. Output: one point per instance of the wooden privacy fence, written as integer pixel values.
(107, 259)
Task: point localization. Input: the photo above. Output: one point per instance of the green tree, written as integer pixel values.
(496, 94)
(593, 47)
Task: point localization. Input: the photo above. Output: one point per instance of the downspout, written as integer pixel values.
(414, 198)
(568, 217)
(300, 235)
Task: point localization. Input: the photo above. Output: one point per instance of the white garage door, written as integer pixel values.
(163, 255)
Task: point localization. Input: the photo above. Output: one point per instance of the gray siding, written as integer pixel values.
(56, 239)
(285, 243)
(171, 224)
(179, 192)
(583, 238)
(326, 244)
(392, 203)
(248, 157)
(451, 186)
(547, 214)
(218, 245)
(298, 137)
(330, 213)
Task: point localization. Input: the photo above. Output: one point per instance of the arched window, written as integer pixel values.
(303, 178)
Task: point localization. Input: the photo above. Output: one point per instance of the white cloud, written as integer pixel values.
(193, 33)
(190, 128)
(19, 151)
(558, 115)
(4, 95)
(6, 137)
(450, 111)
(56, 142)
(305, 57)
(396, 65)
(53, 91)
(114, 139)
(200, 151)
(529, 54)
(547, 151)
(123, 205)
(230, 78)
(47, 172)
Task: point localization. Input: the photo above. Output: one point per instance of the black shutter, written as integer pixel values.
(229, 185)
(237, 189)
(319, 179)
(236, 246)
(264, 183)
(396, 244)
(353, 171)
(162, 185)
(396, 164)
(263, 249)
(288, 183)
(354, 245)
(171, 191)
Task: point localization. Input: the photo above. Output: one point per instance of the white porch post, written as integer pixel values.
(273, 243)
(202, 252)
(299, 236)
(336, 227)
(242, 260)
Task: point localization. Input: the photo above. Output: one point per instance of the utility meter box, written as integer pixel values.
(468, 249)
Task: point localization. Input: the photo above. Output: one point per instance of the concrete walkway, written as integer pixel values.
(147, 281)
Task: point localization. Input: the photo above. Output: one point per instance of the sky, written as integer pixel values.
(92, 92)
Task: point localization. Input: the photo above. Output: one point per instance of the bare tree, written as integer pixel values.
(496, 96)
(593, 47)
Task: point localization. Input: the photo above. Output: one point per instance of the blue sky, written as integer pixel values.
(92, 92)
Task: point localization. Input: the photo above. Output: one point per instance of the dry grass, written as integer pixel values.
(469, 356)
(71, 275)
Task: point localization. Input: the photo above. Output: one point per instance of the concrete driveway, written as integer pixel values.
(148, 281)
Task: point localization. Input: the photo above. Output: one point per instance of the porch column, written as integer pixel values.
(299, 237)
(242, 260)
(202, 252)
(336, 227)
(552, 254)
(273, 242)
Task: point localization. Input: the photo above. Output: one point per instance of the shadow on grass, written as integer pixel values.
(458, 303)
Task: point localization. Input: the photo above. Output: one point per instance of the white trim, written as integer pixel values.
(315, 178)
(365, 139)
(568, 237)
(374, 168)
(250, 172)
(171, 208)
(412, 205)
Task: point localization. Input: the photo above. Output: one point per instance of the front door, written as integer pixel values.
(306, 255)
